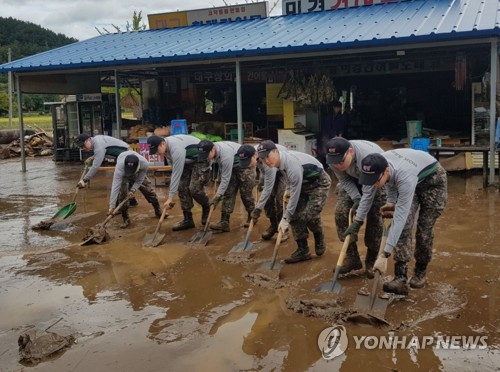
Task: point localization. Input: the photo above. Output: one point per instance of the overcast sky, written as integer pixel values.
(78, 18)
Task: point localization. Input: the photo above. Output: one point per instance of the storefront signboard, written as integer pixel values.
(306, 6)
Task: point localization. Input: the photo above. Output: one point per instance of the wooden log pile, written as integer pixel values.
(38, 144)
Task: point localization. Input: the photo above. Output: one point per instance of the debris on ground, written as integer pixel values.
(37, 345)
(264, 281)
(328, 309)
(96, 234)
(237, 258)
(44, 225)
(38, 144)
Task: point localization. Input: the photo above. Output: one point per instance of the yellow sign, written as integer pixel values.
(274, 104)
(167, 20)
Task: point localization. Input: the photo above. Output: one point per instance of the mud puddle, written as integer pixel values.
(188, 308)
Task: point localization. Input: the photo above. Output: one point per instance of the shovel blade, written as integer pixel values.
(153, 240)
(378, 309)
(240, 247)
(200, 238)
(334, 287)
(65, 212)
(269, 266)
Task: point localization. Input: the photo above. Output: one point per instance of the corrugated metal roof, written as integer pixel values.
(409, 21)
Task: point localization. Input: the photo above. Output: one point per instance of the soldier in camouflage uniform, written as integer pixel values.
(273, 189)
(130, 176)
(309, 185)
(233, 178)
(414, 180)
(189, 176)
(344, 158)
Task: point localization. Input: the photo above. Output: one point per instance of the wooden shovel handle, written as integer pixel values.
(163, 214)
(276, 247)
(208, 218)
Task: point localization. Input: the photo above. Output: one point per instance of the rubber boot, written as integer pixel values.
(352, 260)
(319, 243)
(133, 202)
(186, 223)
(301, 254)
(399, 285)
(418, 278)
(249, 218)
(271, 230)
(371, 257)
(223, 225)
(204, 214)
(156, 207)
(126, 220)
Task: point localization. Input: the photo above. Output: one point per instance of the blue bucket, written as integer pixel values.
(420, 143)
(178, 126)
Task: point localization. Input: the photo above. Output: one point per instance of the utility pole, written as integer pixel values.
(9, 87)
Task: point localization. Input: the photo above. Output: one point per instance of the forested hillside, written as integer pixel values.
(25, 39)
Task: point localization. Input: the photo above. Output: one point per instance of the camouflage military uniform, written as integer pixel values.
(192, 184)
(308, 211)
(274, 205)
(243, 180)
(146, 189)
(430, 195)
(374, 223)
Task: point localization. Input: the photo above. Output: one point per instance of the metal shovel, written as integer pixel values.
(97, 234)
(245, 245)
(154, 239)
(374, 305)
(272, 265)
(202, 237)
(334, 285)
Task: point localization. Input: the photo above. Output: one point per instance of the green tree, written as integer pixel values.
(137, 24)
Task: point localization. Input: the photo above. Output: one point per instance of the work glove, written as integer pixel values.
(260, 187)
(381, 263)
(89, 161)
(216, 200)
(387, 210)
(283, 225)
(256, 214)
(286, 196)
(130, 195)
(355, 205)
(110, 212)
(81, 184)
(353, 230)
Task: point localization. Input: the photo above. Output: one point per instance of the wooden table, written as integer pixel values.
(435, 151)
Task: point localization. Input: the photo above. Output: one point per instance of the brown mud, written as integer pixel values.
(180, 308)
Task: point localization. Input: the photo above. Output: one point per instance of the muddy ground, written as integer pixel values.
(179, 308)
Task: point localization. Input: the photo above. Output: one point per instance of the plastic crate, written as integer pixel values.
(420, 143)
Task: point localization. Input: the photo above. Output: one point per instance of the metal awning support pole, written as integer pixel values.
(118, 106)
(21, 123)
(239, 109)
(9, 85)
(493, 105)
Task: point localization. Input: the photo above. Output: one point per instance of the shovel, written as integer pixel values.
(68, 209)
(245, 245)
(154, 239)
(97, 234)
(62, 213)
(202, 237)
(334, 285)
(272, 265)
(374, 305)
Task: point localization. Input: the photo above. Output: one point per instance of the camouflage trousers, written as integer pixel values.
(312, 200)
(192, 185)
(430, 196)
(374, 222)
(146, 189)
(274, 205)
(244, 181)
